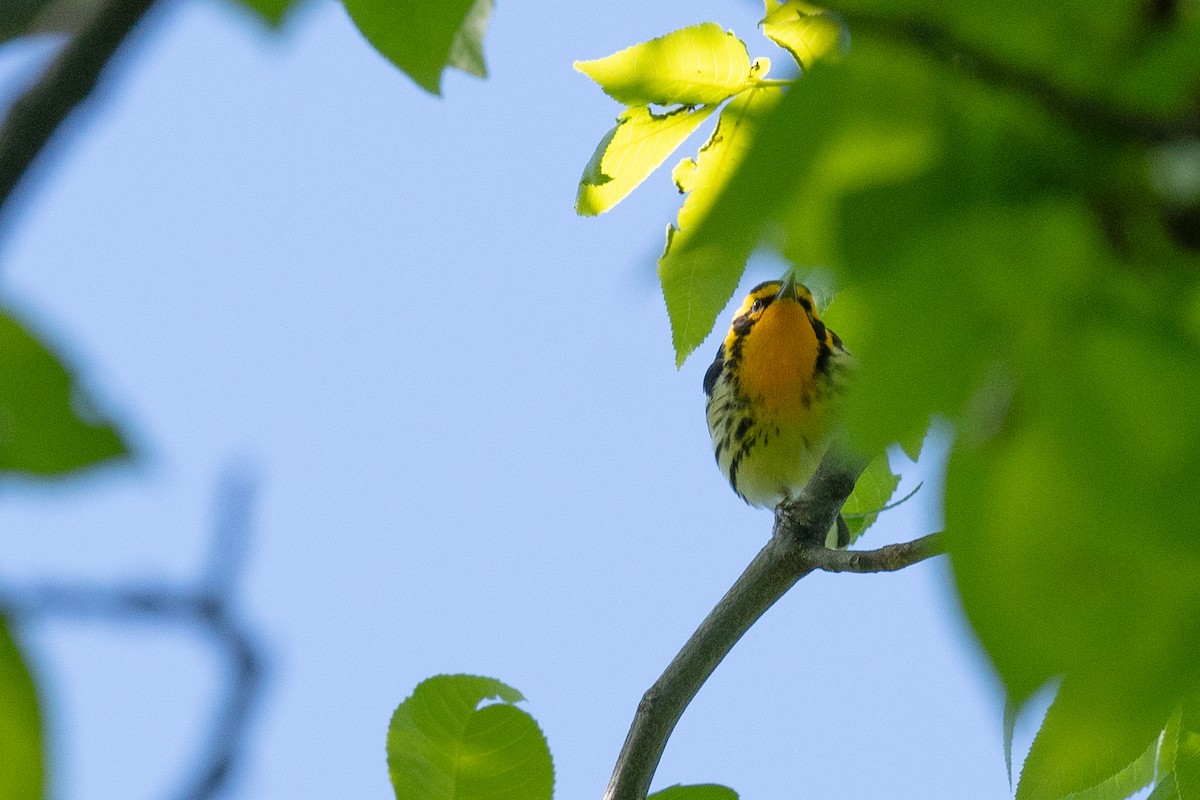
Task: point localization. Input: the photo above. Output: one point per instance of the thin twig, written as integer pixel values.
(886, 559)
(793, 552)
(65, 84)
(889, 506)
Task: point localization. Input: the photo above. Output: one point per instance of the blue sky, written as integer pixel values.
(474, 452)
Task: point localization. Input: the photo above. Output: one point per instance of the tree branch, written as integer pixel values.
(795, 550)
(66, 83)
(889, 558)
(209, 609)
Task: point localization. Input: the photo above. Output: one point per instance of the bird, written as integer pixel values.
(771, 395)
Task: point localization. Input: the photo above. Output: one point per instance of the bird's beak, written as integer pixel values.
(788, 290)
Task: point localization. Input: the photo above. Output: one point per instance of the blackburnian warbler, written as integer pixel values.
(770, 394)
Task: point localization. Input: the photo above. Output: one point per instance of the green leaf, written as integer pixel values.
(914, 442)
(21, 757)
(1132, 778)
(699, 65)
(637, 146)
(808, 32)
(696, 287)
(1110, 52)
(466, 51)
(48, 425)
(1084, 753)
(443, 745)
(702, 791)
(874, 489)
(272, 12)
(423, 38)
(1067, 530)
(1010, 725)
(1187, 756)
(1166, 789)
(989, 294)
(817, 140)
(1170, 744)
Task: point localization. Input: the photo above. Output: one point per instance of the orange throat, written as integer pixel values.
(779, 357)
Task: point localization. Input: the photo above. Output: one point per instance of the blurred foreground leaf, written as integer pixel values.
(25, 17)
(806, 31)
(21, 765)
(48, 425)
(422, 38)
(272, 12)
(443, 744)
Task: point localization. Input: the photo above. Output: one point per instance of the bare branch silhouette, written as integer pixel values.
(66, 83)
(210, 609)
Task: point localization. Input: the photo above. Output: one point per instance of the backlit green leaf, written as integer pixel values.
(466, 51)
(1170, 744)
(1010, 726)
(1187, 756)
(699, 65)
(874, 489)
(443, 744)
(48, 424)
(806, 31)
(1165, 789)
(639, 143)
(1179, 755)
(914, 442)
(703, 791)
(21, 758)
(695, 286)
(422, 38)
(1082, 753)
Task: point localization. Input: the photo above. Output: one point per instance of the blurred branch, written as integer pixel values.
(795, 550)
(210, 609)
(1094, 114)
(65, 84)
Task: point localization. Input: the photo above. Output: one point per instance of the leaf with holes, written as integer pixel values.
(699, 65)
(696, 288)
(808, 32)
(637, 146)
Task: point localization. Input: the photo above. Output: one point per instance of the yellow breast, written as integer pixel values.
(778, 360)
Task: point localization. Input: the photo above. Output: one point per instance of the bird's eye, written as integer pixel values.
(757, 306)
